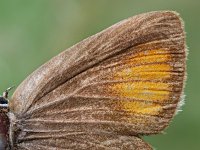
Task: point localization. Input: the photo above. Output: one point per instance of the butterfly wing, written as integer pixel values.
(85, 141)
(107, 90)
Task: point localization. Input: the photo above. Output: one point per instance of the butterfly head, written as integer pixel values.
(4, 127)
(3, 102)
(4, 98)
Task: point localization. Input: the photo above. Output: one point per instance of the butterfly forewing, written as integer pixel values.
(107, 90)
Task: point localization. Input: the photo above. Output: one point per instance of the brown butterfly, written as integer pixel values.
(102, 93)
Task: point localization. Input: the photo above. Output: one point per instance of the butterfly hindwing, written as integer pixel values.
(121, 83)
(87, 141)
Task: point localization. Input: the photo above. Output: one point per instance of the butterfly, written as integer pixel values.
(105, 92)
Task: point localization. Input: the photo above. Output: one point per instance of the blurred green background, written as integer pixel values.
(33, 31)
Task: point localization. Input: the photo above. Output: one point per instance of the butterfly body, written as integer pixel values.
(106, 91)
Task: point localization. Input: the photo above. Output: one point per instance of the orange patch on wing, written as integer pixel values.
(149, 91)
(135, 81)
(140, 107)
(146, 65)
(128, 74)
(144, 72)
(150, 59)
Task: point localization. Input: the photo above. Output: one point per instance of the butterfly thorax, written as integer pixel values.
(4, 121)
